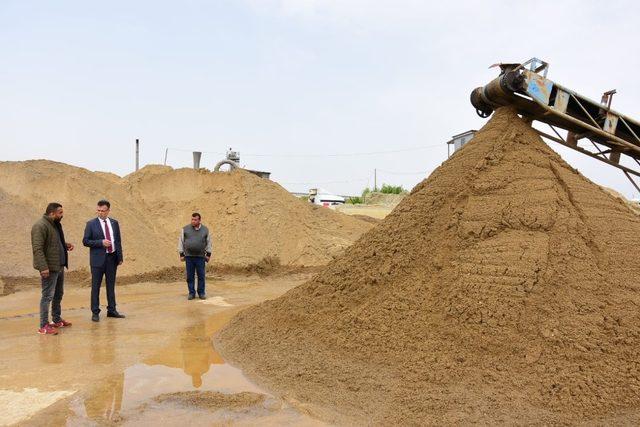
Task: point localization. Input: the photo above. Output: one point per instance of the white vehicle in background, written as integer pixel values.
(321, 197)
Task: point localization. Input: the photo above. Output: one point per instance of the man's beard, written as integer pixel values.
(57, 220)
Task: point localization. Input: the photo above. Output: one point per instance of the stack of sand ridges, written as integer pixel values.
(250, 218)
(503, 289)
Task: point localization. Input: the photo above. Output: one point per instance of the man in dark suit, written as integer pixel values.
(102, 236)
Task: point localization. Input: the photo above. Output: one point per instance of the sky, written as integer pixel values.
(319, 92)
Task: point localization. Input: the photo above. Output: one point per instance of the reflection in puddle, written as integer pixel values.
(193, 352)
(49, 350)
(107, 404)
(143, 382)
(188, 364)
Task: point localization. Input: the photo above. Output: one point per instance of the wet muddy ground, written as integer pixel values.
(156, 366)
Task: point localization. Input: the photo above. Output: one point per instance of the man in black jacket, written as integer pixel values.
(102, 236)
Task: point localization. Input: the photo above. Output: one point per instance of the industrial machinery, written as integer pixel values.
(232, 159)
(526, 88)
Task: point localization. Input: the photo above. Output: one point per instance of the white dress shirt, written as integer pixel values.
(113, 240)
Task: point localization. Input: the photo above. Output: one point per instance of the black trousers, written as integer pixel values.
(108, 270)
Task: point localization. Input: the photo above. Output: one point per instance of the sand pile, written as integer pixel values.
(633, 205)
(504, 288)
(16, 214)
(250, 218)
(27, 187)
(382, 199)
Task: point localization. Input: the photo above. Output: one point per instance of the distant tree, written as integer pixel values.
(391, 189)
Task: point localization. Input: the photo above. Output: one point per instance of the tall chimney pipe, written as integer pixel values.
(196, 159)
(137, 154)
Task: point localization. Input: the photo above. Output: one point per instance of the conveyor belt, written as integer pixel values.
(526, 87)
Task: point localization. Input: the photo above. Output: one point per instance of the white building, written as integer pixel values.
(321, 197)
(459, 140)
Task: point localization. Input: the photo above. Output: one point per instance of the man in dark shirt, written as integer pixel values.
(194, 247)
(50, 257)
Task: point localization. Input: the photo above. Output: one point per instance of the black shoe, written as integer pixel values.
(95, 317)
(116, 314)
(203, 296)
(191, 296)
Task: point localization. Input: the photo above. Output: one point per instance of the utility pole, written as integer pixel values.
(166, 153)
(375, 180)
(137, 154)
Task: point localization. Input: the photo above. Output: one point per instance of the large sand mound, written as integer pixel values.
(504, 288)
(29, 186)
(250, 218)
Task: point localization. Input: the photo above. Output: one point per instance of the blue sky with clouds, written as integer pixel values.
(287, 83)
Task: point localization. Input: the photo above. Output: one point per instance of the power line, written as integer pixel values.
(403, 173)
(186, 150)
(368, 153)
(325, 182)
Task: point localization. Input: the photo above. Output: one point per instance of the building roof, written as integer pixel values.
(454, 137)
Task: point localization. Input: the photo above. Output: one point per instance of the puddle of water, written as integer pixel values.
(188, 364)
(20, 405)
(143, 382)
(130, 399)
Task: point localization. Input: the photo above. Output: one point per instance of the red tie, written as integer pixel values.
(108, 236)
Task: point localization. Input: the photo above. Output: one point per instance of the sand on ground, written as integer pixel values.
(373, 211)
(156, 366)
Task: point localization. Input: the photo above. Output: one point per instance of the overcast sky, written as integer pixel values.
(302, 88)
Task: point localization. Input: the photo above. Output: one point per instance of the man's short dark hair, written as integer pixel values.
(52, 207)
(104, 202)
(196, 214)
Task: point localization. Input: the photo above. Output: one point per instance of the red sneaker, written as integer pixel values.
(47, 330)
(61, 324)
